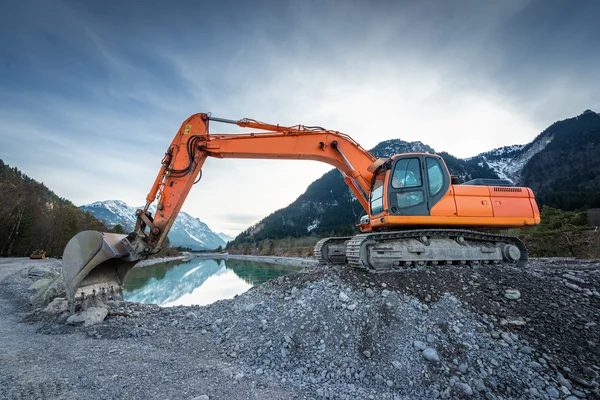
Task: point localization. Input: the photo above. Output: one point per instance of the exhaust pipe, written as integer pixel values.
(96, 263)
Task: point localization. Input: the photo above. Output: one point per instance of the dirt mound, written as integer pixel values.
(328, 332)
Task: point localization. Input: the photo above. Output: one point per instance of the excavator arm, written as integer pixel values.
(192, 144)
(95, 261)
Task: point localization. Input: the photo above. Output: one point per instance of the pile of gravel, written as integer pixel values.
(336, 333)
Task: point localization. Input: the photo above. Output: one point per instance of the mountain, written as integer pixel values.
(559, 165)
(566, 173)
(225, 237)
(187, 231)
(34, 217)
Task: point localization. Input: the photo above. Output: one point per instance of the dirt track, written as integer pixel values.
(325, 333)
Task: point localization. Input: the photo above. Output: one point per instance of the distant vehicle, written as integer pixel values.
(38, 254)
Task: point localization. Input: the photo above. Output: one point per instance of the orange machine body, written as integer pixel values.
(462, 206)
(470, 206)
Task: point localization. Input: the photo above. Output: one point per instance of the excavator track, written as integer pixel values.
(331, 250)
(387, 251)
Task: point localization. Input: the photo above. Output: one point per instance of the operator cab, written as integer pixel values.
(411, 183)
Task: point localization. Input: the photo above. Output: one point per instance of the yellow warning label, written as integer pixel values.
(187, 130)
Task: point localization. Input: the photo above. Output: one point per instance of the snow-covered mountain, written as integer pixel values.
(508, 162)
(225, 237)
(187, 231)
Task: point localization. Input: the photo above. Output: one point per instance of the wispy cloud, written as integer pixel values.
(92, 93)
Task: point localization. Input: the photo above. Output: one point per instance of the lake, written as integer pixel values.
(198, 281)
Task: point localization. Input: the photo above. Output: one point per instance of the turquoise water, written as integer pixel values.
(198, 281)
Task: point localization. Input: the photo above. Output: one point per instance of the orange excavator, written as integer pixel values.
(416, 212)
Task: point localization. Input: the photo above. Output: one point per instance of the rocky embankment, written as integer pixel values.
(326, 333)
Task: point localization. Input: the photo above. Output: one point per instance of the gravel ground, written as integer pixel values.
(326, 333)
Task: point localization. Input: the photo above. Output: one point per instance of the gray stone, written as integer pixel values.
(369, 292)
(552, 392)
(573, 287)
(419, 345)
(91, 316)
(590, 373)
(202, 397)
(506, 337)
(573, 278)
(512, 294)
(76, 319)
(396, 364)
(250, 307)
(526, 350)
(352, 306)
(385, 293)
(467, 389)
(344, 297)
(95, 315)
(563, 381)
(57, 306)
(54, 288)
(516, 322)
(37, 285)
(479, 385)
(535, 365)
(463, 368)
(367, 353)
(430, 354)
(38, 271)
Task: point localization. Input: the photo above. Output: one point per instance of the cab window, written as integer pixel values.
(407, 173)
(436, 178)
(377, 193)
(409, 199)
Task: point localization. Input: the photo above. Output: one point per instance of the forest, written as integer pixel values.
(33, 217)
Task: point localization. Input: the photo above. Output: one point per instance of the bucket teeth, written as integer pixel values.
(94, 261)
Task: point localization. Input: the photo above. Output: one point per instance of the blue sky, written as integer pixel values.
(92, 92)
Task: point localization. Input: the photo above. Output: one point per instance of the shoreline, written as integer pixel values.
(279, 260)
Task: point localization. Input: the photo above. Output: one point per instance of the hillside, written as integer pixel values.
(35, 217)
(559, 165)
(566, 174)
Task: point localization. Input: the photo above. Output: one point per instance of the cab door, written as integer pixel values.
(407, 191)
(417, 183)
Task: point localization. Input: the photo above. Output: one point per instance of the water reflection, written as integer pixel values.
(198, 281)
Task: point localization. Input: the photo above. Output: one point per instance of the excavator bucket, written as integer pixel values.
(95, 263)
